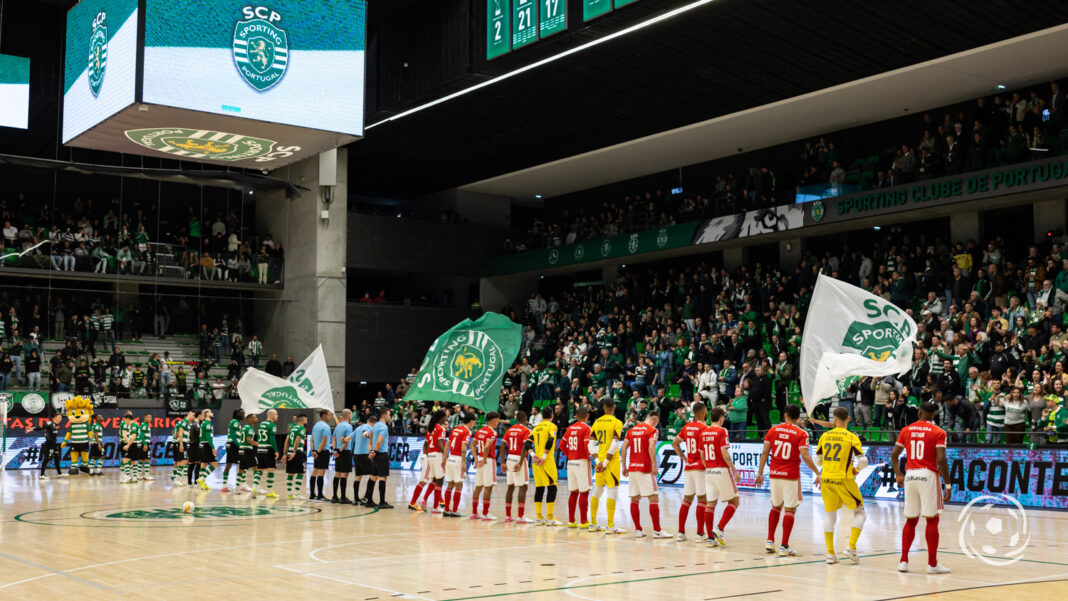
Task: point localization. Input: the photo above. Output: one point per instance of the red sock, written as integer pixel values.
(773, 522)
(787, 527)
(508, 510)
(908, 534)
(701, 508)
(485, 506)
(456, 500)
(932, 541)
(654, 513)
(415, 497)
(437, 495)
(728, 513)
(710, 519)
(572, 504)
(522, 508)
(584, 506)
(684, 512)
(429, 491)
(636, 515)
(474, 506)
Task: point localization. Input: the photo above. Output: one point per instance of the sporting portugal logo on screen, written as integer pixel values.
(261, 47)
(98, 53)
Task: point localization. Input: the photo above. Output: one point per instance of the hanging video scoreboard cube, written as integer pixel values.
(228, 82)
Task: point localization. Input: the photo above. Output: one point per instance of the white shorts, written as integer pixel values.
(578, 475)
(454, 469)
(785, 493)
(695, 483)
(719, 485)
(432, 469)
(487, 474)
(923, 493)
(641, 484)
(512, 477)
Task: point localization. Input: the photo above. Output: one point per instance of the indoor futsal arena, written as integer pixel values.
(453, 300)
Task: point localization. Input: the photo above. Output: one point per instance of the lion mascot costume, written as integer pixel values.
(80, 413)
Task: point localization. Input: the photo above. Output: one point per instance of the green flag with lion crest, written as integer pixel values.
(466, 364)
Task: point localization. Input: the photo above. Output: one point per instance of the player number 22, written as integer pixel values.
(831, 451)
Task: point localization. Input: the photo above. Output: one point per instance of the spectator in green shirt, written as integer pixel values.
(737, 410)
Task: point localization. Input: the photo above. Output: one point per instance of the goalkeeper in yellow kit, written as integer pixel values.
(543, 458)
(607, 430)
(835, 454)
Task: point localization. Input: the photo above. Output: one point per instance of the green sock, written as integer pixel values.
(256, 478)
(289, 484)
(204, 473)
(240, 479)
(270, 480)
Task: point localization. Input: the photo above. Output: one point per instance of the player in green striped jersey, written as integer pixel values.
(233, 449)
(144, 439)
(96, 445)
(208, 464)
(296, 459)
(179, 442)
(266, 455)
(246, 442)
(126, 446)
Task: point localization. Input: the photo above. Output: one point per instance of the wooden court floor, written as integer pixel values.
(96, 539)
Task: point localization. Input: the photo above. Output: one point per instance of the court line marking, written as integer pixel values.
(55, 572)
(391, 592)
(176, 553)
(637, 580)
(778, 590)
(973, 588)
(214, 524)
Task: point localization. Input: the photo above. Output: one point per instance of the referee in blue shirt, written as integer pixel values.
(361, 441)
(342, 456)
(380, 455)
(321, 452)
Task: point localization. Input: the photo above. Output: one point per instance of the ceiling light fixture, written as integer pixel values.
(545, 61)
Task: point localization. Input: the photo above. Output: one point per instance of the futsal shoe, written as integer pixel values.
(769, 546)
(475, 516)
(701, 537)
(639, 534)
(489, 518)
(414, 507)
(938, 569)
(832, 559)
(903, 566)
(524, 520)
(584, 526)
(149, 478)
(508, 519)
(786, 552)
(572, 525)
(384, 505)
(661, 534)
(224, 489)
(680, 537)
(712, 541)
(271, 495)
(851, 555)
(719, 537)
(202, 483)
(437, 509)
(615, 530)
(555, 523)
(42, 477)
(593, 527)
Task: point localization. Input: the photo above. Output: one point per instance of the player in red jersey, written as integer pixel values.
(641, 464)
(721, 477)
(924, 444)
(576, 445)
(694, 471)
(433, 475)
(516, 470)
(485, 466)
(456, 465)
(787, 444)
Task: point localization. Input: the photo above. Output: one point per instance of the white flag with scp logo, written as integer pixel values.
(308, 387)
(851, 332)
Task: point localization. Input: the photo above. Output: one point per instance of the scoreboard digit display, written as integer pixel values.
(524, 23)
(591, 9)
(498, 28)
(553, 17)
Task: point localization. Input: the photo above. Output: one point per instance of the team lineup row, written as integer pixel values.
(598, 456)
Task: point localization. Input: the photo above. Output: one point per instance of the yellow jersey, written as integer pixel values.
(838, 447)
(543, 437)
(606, 429)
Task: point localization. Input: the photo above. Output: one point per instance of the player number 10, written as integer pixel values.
(916, 449)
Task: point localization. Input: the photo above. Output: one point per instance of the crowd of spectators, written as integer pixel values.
(991, 349)
(1002, 129)
(89, 237)
(89, 359)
